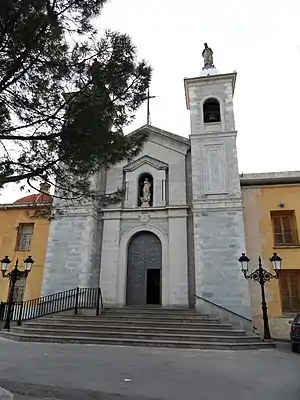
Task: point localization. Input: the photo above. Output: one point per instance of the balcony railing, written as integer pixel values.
(24, 241)
(286, 238)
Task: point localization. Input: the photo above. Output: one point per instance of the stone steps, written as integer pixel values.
(143, 317)
(146, 327)
(214, 324)
(104, 327)
(140, 342)
(212, 337)
(148, 311)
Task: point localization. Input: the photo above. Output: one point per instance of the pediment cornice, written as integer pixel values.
(153, 162)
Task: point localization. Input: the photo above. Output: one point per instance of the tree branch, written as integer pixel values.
(21, 177)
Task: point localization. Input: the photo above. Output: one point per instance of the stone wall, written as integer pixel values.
(218, 242)
(279, 326)
(74, 243)
(70, 253)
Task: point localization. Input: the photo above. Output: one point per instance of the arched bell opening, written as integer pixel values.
(211, 111)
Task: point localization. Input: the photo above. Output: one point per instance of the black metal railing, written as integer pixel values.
(231, 315)
(76, 299)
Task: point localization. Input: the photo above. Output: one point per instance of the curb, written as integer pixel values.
(281, 340)
(5, 394)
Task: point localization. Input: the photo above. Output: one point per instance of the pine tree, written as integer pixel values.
(65, 96)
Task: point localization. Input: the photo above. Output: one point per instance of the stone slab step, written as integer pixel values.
(117, 322)
(154, 309)
(140, 342)
(23, 397)
(135, 328)
(157, 316)
(144, 316)
(159, 311)
(136, 335)
(159, 319)
(135, 318)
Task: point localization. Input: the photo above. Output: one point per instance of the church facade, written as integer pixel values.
(179, 230)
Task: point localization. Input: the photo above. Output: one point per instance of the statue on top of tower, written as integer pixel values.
(207, 54)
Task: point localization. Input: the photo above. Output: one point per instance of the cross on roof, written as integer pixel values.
(148, 98)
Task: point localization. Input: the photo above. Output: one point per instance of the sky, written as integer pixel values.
(257, 38)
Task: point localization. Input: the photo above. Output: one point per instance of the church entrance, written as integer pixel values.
(144, 270)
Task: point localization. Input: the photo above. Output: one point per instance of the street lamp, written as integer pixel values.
(13, 277)
(262, 276)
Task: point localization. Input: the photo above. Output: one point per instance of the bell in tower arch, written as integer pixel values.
(211, 111)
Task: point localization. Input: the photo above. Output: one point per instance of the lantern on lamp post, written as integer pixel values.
(262, 276)
(13, 277)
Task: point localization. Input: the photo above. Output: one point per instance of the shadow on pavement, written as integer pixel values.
(29, 391)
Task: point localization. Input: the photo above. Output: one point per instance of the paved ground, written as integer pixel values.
(78, 372)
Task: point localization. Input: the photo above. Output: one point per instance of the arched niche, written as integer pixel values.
(145, 177)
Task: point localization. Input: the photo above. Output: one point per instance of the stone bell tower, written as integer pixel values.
(217, 207)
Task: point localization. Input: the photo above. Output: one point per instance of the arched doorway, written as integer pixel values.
(144, 263)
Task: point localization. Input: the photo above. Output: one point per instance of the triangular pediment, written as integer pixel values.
(149, 129)
(153, 162)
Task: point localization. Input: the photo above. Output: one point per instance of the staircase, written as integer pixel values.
(147, 327)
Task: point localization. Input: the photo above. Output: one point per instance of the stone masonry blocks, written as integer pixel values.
(69, 257)
(219, 239)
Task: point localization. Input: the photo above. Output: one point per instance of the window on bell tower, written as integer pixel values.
(211, 111)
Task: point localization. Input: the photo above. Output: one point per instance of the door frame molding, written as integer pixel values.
(123, 258)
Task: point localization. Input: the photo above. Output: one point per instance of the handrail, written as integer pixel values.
(225, 309)
(233, 317)
(77, 298)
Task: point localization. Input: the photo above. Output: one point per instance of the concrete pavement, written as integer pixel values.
(109, 373)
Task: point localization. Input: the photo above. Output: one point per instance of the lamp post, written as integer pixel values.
(13, 277)
(262, 276)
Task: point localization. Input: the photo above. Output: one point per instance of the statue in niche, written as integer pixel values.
(207, 54)
(146, 193)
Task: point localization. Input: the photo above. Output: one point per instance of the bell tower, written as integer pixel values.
(217, 208)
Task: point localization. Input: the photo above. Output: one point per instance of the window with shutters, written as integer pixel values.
(284, 228)
(289, 283)
(24, 237)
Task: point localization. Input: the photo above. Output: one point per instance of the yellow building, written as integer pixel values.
(272, 221)
(23, 233)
